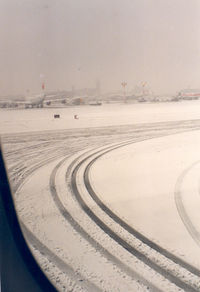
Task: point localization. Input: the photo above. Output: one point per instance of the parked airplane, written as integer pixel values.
(33, 101)
(189, 94)
(37, 101)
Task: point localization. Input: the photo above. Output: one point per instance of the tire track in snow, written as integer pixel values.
(45, 161)
(129, 228)
(164, 272)
(66, 214)
(181, 208)
(80, 281)
(43, 249)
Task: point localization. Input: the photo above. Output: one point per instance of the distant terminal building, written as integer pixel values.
(189, 94)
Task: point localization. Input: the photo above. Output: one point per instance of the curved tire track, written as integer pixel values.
(180, 206)
(121, 241)
(129, 228)
(42, 248)
(66, 214)
(30, 170)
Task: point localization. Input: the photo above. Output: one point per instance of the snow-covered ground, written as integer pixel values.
(153, 185)
(96, 116)
(139, 183)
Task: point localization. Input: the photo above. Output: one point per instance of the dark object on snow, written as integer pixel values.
(56, 116)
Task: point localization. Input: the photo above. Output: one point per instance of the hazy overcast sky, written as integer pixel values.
(77, 42)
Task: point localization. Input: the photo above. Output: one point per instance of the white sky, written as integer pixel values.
(76, 42)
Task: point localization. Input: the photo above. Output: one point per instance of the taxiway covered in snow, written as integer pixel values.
(141, 182)
(139, 161)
